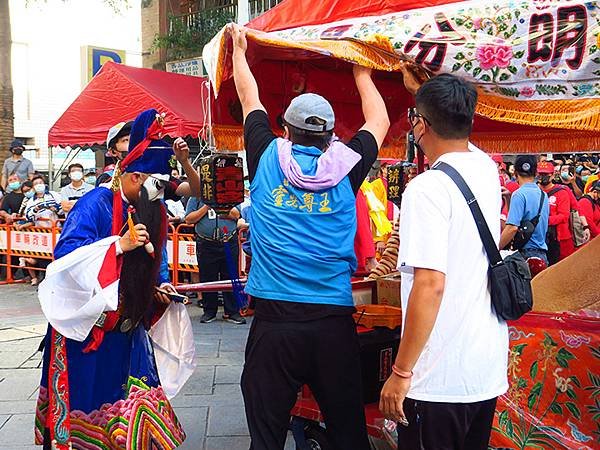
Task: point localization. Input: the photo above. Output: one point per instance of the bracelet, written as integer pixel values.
(402, 373)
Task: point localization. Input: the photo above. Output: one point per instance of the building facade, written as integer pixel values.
(174, 30)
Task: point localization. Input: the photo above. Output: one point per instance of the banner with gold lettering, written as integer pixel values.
(535, 62)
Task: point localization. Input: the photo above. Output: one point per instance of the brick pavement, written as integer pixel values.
(209, 406)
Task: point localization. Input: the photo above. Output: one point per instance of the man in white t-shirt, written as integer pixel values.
(452, 361)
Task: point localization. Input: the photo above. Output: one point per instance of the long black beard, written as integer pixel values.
(139, 272)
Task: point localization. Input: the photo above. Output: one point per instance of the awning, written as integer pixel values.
(119, 93)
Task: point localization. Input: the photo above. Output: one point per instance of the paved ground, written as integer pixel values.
(210, 405)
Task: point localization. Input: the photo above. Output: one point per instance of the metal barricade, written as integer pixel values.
(27, 243)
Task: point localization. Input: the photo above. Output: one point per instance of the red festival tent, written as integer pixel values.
(119, 93)
(283, 73)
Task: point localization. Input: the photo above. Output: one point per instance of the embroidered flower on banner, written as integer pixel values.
(493, 55)
(527, 91)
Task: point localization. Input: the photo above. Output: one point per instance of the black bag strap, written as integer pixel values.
(536, 219)
(555, 190)
(484, 231)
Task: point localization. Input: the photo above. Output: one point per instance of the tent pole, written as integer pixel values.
(51, 166)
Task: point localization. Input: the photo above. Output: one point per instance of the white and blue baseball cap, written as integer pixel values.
(310, 112)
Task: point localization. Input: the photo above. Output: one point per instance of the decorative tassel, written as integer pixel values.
(133, 234)
(116, 179)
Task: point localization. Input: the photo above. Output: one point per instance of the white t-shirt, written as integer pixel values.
(465, 359)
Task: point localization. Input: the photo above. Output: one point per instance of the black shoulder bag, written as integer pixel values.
(527, 227)
(510, 279)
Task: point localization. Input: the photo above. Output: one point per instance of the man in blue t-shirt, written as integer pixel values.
(303, 190)
(525, 205)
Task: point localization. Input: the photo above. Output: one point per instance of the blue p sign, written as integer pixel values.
(100, 56)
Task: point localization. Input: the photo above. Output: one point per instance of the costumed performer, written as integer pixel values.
(105, 384)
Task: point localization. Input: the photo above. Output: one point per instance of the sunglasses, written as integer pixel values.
(414, 115)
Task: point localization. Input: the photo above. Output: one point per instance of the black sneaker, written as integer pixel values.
(208, 318)
(234, 318)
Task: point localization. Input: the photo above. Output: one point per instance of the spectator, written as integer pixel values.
(567, 178)
(17, 164)
(9, 212)
(90, 177)
(76, 189)
(560, 238)
(11, 203)
(42, 210)
(589, 207)
(211, 235)
(117, 143)
(447, 401)
(582, 174)
(524, 206)
(303, 258)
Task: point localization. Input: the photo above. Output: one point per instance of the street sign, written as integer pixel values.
(192, 67)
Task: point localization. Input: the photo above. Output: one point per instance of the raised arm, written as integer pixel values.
(377, 121)
(245, 84)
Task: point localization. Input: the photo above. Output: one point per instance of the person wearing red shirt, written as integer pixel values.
(589, 207)
(560, 214)
(364, 246)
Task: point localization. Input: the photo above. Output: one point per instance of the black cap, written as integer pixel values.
(595, 186)
(526, 165)
(16, 144)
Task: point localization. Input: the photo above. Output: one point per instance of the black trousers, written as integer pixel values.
(212, 265)
(281, 357)
(446, 426)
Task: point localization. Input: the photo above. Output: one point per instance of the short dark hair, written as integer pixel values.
(526, 165)
(310, 138)
(448, 103)
(38, 177)
(27, 183)
(72, 166)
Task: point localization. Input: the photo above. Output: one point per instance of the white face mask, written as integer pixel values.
(155, 185)
(40, 188)
(76, 175)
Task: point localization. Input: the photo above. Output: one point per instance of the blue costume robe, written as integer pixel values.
(115, 397)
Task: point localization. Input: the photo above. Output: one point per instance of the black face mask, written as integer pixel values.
(18, 151)
(545, 180)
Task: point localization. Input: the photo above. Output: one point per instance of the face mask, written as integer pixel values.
(565, 175)
(585, 178)
(14, 185)
(90, 179)
(155, 185)
(29, 194)
(545, 180)
(39, 188)
(76, 175)
(18, 151)
(246, 185)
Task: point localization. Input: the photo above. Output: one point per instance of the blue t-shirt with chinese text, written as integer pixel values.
(302, 241)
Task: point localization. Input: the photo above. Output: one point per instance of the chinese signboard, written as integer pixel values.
(192, 67)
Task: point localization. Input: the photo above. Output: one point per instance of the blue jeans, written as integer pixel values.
(535, 253)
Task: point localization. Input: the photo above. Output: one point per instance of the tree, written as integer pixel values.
(6, 89)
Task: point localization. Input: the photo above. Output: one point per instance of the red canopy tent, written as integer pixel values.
(283, 73)
(119, 93)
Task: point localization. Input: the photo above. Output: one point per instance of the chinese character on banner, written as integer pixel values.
(18, 238)
(45, 240)
(393, 176)
(190, 249)
(205, 173)
(27, 239)
(35, 240)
